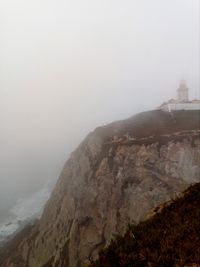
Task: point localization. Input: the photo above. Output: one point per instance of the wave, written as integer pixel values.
(25, 211)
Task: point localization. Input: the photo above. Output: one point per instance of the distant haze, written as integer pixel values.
(69, 66)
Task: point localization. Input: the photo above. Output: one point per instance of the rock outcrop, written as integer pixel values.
(115, 177)
(170, 238)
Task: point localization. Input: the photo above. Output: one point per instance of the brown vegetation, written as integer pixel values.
(170, 238)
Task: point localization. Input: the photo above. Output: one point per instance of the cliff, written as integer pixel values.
(170, 238)
(115, 177)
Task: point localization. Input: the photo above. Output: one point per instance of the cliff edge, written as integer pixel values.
(115, 177)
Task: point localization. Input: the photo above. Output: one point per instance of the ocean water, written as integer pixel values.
(24, 211)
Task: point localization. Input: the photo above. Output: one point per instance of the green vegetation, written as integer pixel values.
(169, 238)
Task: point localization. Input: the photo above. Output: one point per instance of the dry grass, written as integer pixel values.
(170, 238)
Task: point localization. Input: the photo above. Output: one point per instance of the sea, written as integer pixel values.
(25, 211)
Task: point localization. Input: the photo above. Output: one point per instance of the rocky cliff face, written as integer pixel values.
(115, 177)
(168, 238)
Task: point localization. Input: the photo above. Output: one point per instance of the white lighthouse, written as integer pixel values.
(182, 92)
(182, 101)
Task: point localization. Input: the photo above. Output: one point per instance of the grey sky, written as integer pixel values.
(69, 66)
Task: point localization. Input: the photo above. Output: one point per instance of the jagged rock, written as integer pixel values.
(115, 177)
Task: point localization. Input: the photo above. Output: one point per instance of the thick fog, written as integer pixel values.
(67, 66)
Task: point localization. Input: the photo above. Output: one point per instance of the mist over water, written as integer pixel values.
(67, 67)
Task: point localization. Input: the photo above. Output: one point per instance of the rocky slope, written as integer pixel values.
(115, 177)
(170, 238)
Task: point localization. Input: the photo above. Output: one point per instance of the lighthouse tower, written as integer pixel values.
(182, 92)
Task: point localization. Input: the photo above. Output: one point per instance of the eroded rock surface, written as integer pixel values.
(115, 177)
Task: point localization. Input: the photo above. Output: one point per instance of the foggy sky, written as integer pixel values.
(67, 66)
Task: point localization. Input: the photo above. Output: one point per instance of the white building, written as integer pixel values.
(182, 92)
(182, 102)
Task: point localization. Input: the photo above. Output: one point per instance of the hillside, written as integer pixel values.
(170, 238)
(114, 178)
